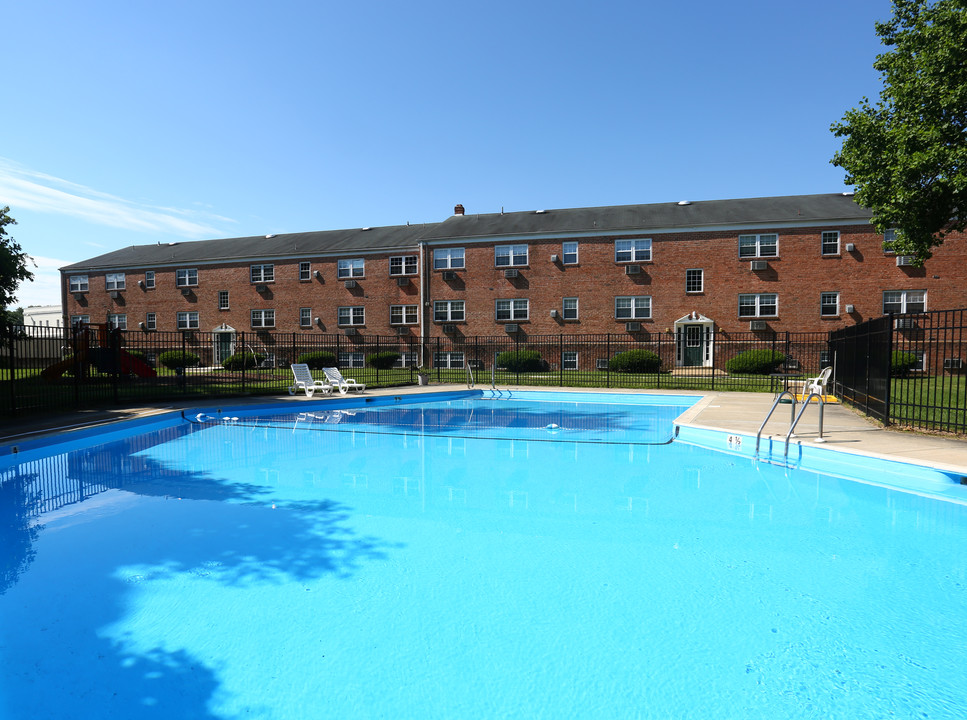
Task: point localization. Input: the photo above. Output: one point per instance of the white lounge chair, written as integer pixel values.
(345, 385)
(817, 384)
(303, 380)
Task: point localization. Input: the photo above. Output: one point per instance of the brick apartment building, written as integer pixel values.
(687, 269)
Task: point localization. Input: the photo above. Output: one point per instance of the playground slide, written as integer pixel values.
(129, 364)
(57, 369)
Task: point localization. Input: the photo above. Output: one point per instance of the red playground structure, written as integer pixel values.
(102, 357)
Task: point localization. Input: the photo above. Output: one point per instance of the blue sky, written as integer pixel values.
(133, 123)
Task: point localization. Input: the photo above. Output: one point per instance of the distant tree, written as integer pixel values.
(13, 261)
(907, 155)
(12, 317)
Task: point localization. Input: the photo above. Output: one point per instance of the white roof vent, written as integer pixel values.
(367, 228)
(540, 212)
(684, 202)
(269, 237)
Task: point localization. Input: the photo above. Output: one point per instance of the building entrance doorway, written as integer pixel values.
(694, 335)
(223, 343)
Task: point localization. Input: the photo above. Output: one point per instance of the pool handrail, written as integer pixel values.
(792, 418)
(470, 382)
(805, 404)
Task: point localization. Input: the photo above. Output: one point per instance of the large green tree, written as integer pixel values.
(13, 262)
(907, 155)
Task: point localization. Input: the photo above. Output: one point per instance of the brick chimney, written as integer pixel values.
(458, 210)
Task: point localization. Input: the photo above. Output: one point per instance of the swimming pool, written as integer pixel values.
(341, 563)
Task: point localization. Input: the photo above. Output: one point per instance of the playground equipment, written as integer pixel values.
(103, 358)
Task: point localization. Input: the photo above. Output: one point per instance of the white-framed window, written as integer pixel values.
(149, 279)
(921, 356)
(223, 300)
(638, 250)
(402, 265)
(351, 315)
(402, 315)
(78, 284)
(636, 307)
(188, 321)
(889, 237)
(829, 304)
(449, 311)
(263, 318)
(262, 273)
(305, 317)
(758, 305)
(80, 320)
(186, 277)
(569, 360)
(509, 255)
(406, 359)
(305, 271)
(512, 310)
(114, 281)
(351, 268)
(830, 242)
(766, 245)
(352, 360)
(448, 360)
(118, 321)
(904, 301)
(569, 308)
(569, 252)
(150, 321)
(694, 280)
(448, 258)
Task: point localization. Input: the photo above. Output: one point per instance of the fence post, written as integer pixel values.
(12, 371)
(888, 385)
(114, 347)
(607, 372)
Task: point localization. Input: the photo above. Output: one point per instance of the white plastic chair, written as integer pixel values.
(817, 384)
(345, 385)
(303, 380)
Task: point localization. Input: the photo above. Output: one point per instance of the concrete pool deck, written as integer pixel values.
(742, 413)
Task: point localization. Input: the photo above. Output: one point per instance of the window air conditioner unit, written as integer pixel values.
(553, 313)
(186, 291)
(953, 364)
(512, 273)
(402, 282)
(553, 258)
(79, 296)
(632, 269)
(449, 328)
(759, 265)
(402, 330)
(850, 247)
(511, 328)
(850, 309)
(449, 275)
(261, 288)
(905, 323)
(632, 326)
(351, 331)
(757, 325)
(602, 364)
(904, 260)
(350, 284)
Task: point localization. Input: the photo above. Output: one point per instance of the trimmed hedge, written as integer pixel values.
(383, 360)
(318, 360)
(901, 363)
(635, 361)
(243, 360)
(755, 362)
(521, 361)
(173, 359)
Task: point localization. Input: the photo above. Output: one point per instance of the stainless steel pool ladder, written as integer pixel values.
(793, 418)
(470, 382)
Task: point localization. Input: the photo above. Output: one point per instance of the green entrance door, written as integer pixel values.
(693, 353)
(224, 345)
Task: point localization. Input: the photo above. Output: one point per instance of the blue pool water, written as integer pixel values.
(340, 563)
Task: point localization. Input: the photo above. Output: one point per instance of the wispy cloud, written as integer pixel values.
(39, 192)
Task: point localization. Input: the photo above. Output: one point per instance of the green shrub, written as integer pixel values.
(318, 360)
(383, 360)
(243, 360)
(521, 361)
(901, 363)
(635, 361)
(173, 359)
(755, 362)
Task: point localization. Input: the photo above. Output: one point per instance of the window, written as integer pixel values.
(830, 242)
(829, 304)
(352, 360)
(305, 317)
(510, 310)
(694, 280)
(569, 360)
(305, 271)
(405, 360)
(263, 318)
(262, 273)
(632, 250)
(188, 321)
(759, 245)
(150, 321)
(632, 308)
(904, 301)
(223, 299)
(114, 281)
(402, 315)
(448, 258)
(78, 283)
(762, 305)
(889, 237)
(569, 253)
(507, 255)
(184, 278)
(149, 279)
(569, 308)
(402, 265)
(77, 320)
(448, 360)
(353, 268)
(448, 311)
(118, 321)
(355, 315)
